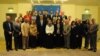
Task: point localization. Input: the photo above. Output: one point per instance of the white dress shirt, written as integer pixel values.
(41, 21)
(49, 29)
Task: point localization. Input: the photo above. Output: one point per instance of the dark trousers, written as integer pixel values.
(16, 42)
(41, 40)
(79, 42)
(20, 42)
(32, 41)
(59, 40)
(93, 42)
(49, 41)
(87, 39)
(73, 41)
(8, 39)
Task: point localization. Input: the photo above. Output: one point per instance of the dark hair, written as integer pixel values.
(72, 22)
(49, 19)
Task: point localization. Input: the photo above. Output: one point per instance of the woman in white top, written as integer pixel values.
(49, 33)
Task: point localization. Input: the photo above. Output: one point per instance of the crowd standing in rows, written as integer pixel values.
(49, 30)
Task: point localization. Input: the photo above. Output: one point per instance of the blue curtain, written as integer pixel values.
(48, 8)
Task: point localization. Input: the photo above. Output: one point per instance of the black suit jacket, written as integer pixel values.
(61, 28)
(79, 29)
(7, 28)
(41, 28)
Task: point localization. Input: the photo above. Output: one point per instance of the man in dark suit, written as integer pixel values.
(79, 33)
(8, 31)
(41, 24)
(85, 33)
(93, 35)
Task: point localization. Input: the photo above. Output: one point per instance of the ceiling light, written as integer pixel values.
(10, 10)
(86, 11)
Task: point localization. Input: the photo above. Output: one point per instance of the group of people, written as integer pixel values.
(49, 31)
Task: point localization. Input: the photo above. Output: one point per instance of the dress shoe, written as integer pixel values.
(94, 50)
(11, 49)
(90, 49)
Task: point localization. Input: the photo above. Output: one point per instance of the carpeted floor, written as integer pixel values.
(47, 52)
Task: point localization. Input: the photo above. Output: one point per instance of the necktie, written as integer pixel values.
(9, 26)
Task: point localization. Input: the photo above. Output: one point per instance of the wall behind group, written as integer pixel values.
(93, 10)
(99, 22)
(3, 11)
(73, 10)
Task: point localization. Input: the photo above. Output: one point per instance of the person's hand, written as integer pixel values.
(77, 36)
(49, 34)
(10, 33)
(54, 34)
(37, 32)
(61, 35)
(19, 33)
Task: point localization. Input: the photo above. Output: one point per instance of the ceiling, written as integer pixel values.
(80, 2)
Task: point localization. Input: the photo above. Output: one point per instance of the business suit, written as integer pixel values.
(41, 24)
(17, 36)
(79, 34)
(58, 34)
(73, 38)
(86, 36)
(93, 36)
(8, 27)
(67, 29)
